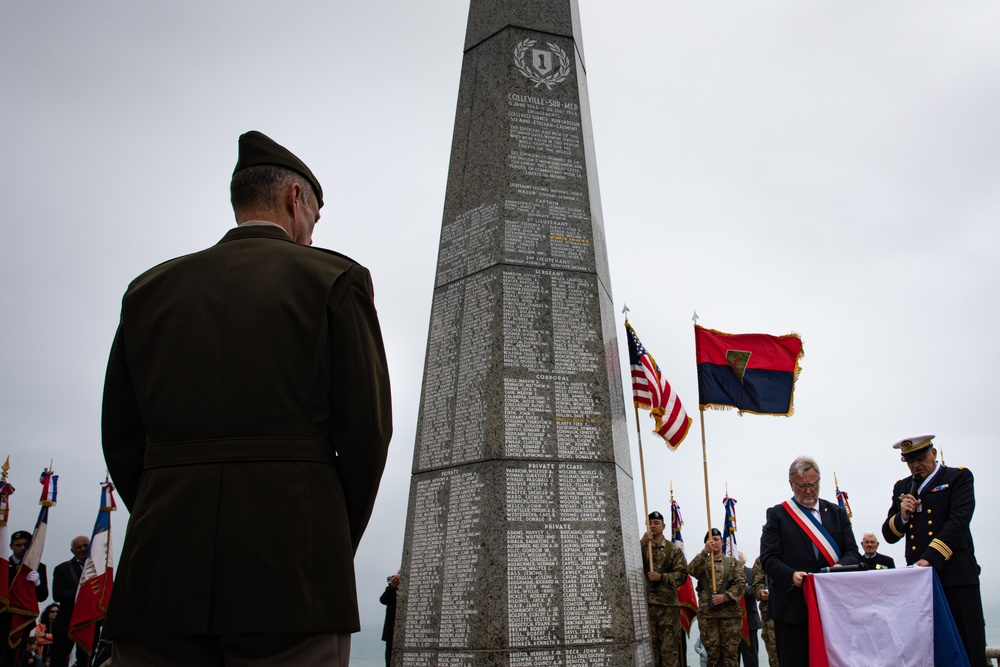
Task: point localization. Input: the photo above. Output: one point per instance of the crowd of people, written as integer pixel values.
(45, 641)
(931, 510)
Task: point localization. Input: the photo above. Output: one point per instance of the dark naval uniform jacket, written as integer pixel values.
(939, 533)
(246, 422)
(785, 549)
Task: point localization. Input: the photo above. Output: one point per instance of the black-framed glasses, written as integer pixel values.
(808, 485)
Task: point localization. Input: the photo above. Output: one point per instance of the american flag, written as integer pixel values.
(651, 391)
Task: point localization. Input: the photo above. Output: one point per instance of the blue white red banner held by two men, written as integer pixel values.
(651, 391)
(895, 618)
(753, 373)
(94, 591)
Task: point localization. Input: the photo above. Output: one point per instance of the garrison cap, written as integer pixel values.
(257, 148)
(914, 447)
(655, 515)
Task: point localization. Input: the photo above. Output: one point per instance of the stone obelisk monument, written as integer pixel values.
(521, 542)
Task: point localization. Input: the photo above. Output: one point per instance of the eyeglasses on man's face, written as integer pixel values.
(808, 485)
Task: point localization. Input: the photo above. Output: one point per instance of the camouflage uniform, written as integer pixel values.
(720, 627)
(664, 608)
(767, 625)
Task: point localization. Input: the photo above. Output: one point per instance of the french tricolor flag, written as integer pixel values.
(23, 605)
(881, 617)
(94, 591)
(50, 488)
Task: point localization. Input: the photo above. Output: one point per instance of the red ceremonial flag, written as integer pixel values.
(750, 372)
(94, 592)
(689, 604)
(5, 492)
(651, 391)
(23, 605)
(685, 592)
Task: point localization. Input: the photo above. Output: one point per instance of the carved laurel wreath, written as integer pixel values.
(553, 77)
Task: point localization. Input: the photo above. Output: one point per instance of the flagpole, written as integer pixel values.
(642, 473)
(708, 505)
(704, 453)
(642, 466)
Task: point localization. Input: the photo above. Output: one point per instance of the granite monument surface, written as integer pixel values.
(521, 543)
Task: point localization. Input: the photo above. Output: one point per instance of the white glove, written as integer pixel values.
(33, 578)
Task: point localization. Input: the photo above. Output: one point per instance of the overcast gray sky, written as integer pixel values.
(825, 168)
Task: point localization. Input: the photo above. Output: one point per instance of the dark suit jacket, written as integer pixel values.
(940, 532)
(878, 559)
(785, 549)
(246, 423)
(65, 581)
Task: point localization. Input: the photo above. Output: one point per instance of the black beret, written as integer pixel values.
(257, 148)
(714, 531)
(655, 515)
(20, 535)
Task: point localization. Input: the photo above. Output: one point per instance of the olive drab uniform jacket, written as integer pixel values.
(246, 422)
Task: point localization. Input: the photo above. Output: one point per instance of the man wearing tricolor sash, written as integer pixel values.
(801, 536)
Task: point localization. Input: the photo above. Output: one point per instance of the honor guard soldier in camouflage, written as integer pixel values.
(719, 614)
(665, 575)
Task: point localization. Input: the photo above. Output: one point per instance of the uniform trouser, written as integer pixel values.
(721, 637)
(665, 633)
(793, 644)
(767, 635)
(966, 605)
(240, 650)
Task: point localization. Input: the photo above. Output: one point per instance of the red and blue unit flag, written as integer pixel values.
(651, 391)
(753, 373)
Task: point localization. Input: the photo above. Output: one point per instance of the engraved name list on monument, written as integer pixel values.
(514, 549)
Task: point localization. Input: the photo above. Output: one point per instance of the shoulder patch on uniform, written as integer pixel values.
(333, 252)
